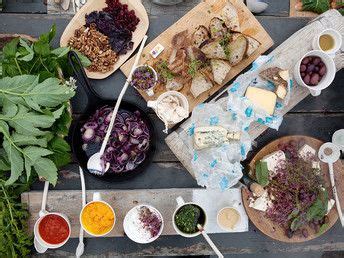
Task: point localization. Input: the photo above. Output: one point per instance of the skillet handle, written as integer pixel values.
(80, 74)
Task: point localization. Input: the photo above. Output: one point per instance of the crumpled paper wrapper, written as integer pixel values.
(219, 167)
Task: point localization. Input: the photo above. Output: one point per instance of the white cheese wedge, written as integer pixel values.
(330, 205)
(261, 203)
(273, 160)
(264, 99)
(306, 152)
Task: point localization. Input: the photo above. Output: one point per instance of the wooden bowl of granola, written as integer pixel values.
(103, 54)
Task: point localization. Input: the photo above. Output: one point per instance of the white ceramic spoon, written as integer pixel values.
(330, 153)
(81, 246)
(210, 242)
(95, 164)
(39, 248)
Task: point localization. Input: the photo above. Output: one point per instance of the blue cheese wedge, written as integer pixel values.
(273, 160)
(213, 136)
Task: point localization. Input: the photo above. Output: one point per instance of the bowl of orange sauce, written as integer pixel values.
(97, 217)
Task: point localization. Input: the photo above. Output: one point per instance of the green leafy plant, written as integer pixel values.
(14, 238)
(34, 119)
(23, 57)
(29, 110)
(317, 6)
(318, 209)
(262, 173)
(35, 115)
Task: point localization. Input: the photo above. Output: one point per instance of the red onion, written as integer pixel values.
(129, 139)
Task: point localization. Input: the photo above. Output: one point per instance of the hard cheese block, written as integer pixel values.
(264, 99)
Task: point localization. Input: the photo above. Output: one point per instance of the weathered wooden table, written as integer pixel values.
(318, 117)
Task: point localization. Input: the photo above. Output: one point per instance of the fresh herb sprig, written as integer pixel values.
(194, 66)
(163, 71)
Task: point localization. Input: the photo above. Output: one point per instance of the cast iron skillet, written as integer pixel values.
(94, 102)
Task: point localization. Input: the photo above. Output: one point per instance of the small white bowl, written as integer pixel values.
(90, 233)
(180, 204)
(150, 91)
(337, 41)
(338, 139)
(183, 101)
(219, 224)
(327, 78)
(40, 239)
(136, 238)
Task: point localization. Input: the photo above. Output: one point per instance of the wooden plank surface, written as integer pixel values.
(315, 116)
(201, 15)
(69, 203)
(283, 56)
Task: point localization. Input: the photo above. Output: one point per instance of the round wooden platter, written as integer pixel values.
(270, 228)
(97, 5)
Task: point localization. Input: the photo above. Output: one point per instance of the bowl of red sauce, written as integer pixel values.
(52, 230)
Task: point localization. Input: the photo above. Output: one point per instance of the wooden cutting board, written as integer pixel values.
(273, 230)
(97, 5)
(201, 15)
(69, 203)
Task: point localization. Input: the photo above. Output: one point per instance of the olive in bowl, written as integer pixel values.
(315, 71)
(312, 70)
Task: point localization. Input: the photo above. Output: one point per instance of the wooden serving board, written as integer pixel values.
(97, 5)
(275, 231)
(69, 203)
(283, 56)
(201, 15)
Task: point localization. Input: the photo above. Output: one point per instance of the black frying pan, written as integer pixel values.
(94, 102)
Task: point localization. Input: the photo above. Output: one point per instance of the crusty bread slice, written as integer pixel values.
(252, 45)
(220, 69)
(200, 35)
(231, 18)
(212, 48)
(236, 48)
(217, 28)
(200, 84)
